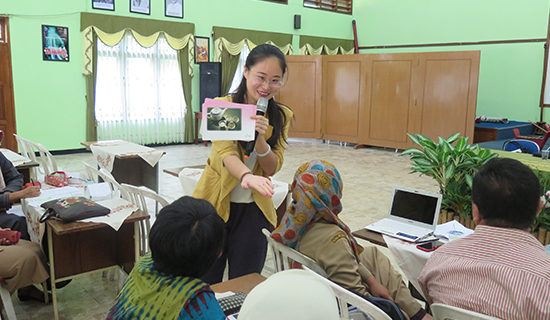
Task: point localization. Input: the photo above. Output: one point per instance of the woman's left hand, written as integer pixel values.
(261, 124)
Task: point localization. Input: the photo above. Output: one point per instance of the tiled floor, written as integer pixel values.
(368, 175)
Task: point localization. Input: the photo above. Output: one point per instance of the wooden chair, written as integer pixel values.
(139, 196)
(445, 312)
(284, 257)
(346, 297)
(46, 159)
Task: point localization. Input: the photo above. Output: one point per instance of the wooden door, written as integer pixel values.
(7, 109)
(302, 94)
(391, 91)
(448, 97)
(343, 100)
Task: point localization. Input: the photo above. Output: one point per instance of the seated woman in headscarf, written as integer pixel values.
(185, 241)
(311, 226)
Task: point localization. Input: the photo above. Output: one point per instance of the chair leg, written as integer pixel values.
(8, 304)
(45, 290)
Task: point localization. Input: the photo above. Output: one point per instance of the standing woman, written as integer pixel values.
(239, 188)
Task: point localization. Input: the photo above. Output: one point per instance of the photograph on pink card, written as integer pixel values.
(227, 121)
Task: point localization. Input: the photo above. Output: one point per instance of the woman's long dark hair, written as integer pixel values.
(276, 115)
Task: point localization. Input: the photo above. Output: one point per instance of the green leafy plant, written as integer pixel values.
(452, 163)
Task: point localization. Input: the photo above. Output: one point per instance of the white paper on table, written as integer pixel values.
(442, 230)
(231, 121)
(189, 179)
(53, 194)
(220, 295)
(120, 210)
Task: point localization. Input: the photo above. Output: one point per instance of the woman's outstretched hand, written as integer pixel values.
(261, 184)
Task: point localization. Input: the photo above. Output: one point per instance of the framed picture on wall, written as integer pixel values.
(55, 43)
(140, 6)
(103, 4)
(202, 49)
(173, 8)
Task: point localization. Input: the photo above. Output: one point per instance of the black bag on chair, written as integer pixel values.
(73, 208)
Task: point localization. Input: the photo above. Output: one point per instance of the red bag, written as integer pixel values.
(58, 179)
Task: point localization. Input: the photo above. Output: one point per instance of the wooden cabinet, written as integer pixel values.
(376, 99)
(302, 94)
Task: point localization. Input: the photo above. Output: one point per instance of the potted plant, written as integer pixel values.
(542, 223)
(452, 165)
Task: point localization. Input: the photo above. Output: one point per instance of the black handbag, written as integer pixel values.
(73, 208)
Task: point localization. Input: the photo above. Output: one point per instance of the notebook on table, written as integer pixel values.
(413, 215)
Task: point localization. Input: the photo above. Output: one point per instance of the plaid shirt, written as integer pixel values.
(501, 272)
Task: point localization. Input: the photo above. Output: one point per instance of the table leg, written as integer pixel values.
(136, 242)
(52, 272)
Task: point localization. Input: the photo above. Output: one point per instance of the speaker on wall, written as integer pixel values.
(211, 80)
(297, 21)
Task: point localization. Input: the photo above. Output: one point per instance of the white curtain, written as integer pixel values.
(139, 94)
(240, 69)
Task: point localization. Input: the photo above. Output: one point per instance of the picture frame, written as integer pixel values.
(103, 4)
(55, 43)
(202, 49)
(140, 6)
(173, 8)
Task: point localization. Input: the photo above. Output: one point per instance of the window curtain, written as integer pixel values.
(110, 29)
(229, 42)
(325, 46)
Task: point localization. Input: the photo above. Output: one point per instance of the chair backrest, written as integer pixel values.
(93, 172)
(527, 145)
(116, 190)
(346, 297)
(5, 299)
(444, 312)
(516, 133)
(46, 159)
(138, 196)
(284, 256)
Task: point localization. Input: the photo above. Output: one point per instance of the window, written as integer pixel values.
(139, 96)
(343, 6)
(278, 1)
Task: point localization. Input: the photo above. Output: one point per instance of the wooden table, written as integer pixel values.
(80, 248)
(243, 284)
(132, 169)
(198, 116)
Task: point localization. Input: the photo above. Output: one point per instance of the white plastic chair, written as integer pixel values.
(346, 297)
(6, 301)
(445, 312)
(138, 196)
(284, 256)
(116, 190)
(93, 172)
(46, 159)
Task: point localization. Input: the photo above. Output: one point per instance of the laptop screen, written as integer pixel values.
(414, 206)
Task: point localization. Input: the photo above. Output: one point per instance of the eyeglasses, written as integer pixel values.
(275, 83)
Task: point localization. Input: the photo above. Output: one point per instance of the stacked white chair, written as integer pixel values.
(46, 159)
(139, 196)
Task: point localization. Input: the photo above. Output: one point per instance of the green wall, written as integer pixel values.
(510, 75)
(50, 96)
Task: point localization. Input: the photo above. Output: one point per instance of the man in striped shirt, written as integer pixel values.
(500, 270)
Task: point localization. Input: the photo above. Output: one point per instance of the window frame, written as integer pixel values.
(278, 1)
(322, 5)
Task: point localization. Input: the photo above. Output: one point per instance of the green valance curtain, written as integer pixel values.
(325, 46)
(229, 42)
(110, 29)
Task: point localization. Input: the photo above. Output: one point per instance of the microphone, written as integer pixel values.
(261, 107)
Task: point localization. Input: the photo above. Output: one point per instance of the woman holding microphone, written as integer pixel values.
(239, 187)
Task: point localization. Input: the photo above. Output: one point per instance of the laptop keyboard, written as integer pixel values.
(399, 228)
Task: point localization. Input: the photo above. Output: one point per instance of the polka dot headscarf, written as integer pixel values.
(316, 195)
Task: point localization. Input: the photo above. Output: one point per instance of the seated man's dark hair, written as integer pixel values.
(187, 238)
(507, 193)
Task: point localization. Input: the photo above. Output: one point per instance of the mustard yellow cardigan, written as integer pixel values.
(216, 182)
